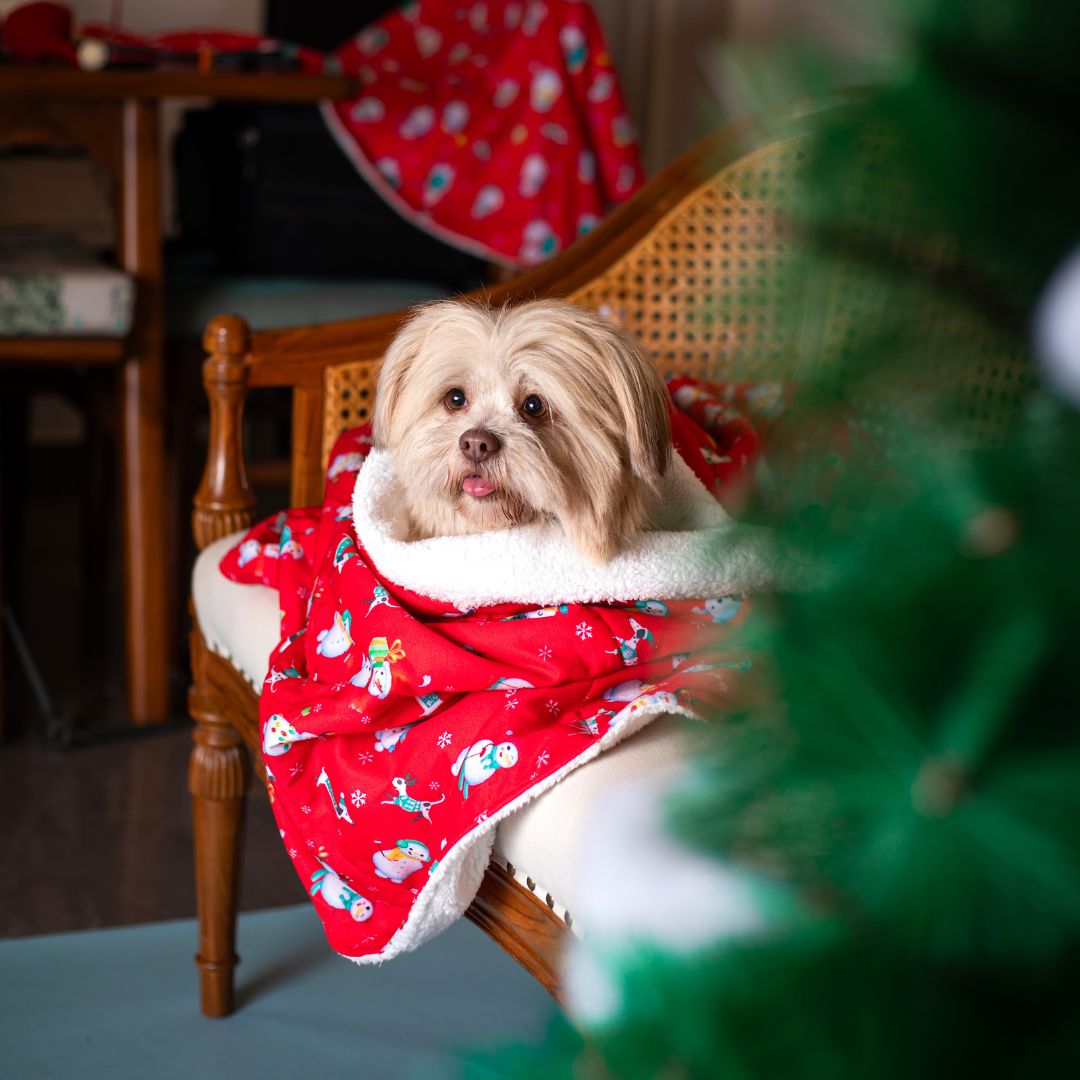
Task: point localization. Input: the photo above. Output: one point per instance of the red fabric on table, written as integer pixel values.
(497, 126)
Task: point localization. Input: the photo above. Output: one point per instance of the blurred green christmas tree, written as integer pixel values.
(912, 792)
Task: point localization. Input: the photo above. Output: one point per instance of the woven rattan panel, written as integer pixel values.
(349, 391)
(722, 288)
(707, 292)
(986, 364)
(891, 301)
(713, 290)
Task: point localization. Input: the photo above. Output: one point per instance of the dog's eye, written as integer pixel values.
(533, 407)
(455, 399)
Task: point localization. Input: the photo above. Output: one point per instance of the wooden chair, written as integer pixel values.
(698, 266)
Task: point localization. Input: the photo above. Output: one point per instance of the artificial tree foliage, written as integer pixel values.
(912, 779)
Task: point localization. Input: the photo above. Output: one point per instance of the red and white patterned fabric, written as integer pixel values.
(400, 727)
(497, 126)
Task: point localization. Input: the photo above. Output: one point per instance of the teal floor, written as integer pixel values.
(123, 1004)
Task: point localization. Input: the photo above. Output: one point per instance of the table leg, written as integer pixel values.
(147, 618)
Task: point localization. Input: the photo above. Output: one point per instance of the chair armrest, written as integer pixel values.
(224, 502)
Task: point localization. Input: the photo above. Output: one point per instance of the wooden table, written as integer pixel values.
(113, 115)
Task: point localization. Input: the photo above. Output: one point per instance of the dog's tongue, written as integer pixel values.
(477, 486)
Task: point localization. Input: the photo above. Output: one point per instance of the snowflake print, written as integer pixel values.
(434, 785)
(481, 817)
(583, 631)
(310, 843)
(444, 740)
(544, 652)
(542, 759)
(296, 770)
(318, 707)
(365, 758)
(305, 809)
(358, 798)
(293, 853)
(511, 703)
(552, 706)
(365, 718)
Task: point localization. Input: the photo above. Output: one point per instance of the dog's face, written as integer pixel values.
(501, 417)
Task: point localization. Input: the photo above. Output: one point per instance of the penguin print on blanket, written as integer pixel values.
(652, 607)
(720, 609)
(388, 738)
(289, 548)
(346, 550)
(328, 885)
(478, 763)
(249, 550)
(363, 676)
(381, 596)
(403, 859)
(337, 640)
(343, 463)
(627, 691)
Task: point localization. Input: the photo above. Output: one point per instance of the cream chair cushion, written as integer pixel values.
(545, 842)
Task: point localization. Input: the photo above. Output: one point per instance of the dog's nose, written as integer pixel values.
(478, 445)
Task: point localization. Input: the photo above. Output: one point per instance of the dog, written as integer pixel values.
(495, 417)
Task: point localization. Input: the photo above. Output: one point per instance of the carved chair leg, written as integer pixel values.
(218, 778)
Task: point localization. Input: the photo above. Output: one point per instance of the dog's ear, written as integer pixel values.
(643, 401)
(394, 370)
(615, 513)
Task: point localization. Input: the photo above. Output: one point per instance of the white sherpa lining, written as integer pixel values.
(694, 551)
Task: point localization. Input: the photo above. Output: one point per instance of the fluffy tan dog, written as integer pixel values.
(504, 416)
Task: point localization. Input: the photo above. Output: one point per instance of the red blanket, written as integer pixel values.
(497, 126)
(399, 728)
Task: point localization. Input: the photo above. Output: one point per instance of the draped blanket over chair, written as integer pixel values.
(699, 267)
(423, 691)
(664, 265)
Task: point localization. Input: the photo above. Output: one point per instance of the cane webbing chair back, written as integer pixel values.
(721, 287)
(705, 292)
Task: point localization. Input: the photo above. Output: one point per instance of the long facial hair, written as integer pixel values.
(593, 461)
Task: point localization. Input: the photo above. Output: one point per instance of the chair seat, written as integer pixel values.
(52, 287)
(542, 844)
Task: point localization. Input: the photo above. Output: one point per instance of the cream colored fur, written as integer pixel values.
(593, 462)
